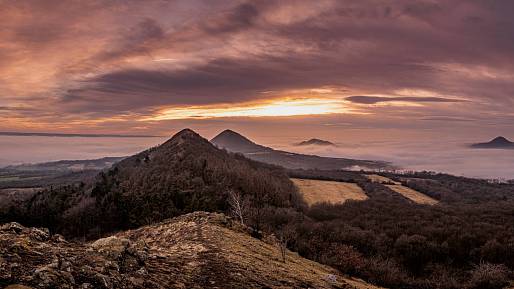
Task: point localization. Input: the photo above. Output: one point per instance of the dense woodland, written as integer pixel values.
(466, 241)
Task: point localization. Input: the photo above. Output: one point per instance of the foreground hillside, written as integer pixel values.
(198, 250)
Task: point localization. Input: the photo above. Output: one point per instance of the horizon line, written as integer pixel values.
(49, 134)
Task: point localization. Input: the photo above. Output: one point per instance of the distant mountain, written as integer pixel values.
(184, 174)
(235, 142)
(497, 143)
(53, 173)
(67, 165)
(315, 141)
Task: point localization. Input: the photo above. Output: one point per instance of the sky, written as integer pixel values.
(367, 70)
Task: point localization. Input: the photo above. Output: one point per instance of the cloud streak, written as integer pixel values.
(364, 99)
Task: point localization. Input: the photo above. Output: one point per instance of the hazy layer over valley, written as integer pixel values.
(450, 155)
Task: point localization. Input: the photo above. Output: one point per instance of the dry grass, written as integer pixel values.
(360, 284)
(413, 195)
(316, 191)
(204, 247)
(381, 179)
(409, 193)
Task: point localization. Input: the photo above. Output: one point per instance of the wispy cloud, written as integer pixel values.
(364, 99)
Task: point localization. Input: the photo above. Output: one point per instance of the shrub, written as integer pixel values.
(385, 272)
(344, 258)
(489, 276)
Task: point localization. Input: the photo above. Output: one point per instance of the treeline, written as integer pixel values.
(454, 189)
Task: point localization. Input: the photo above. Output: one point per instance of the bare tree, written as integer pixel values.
(285, 235)
(238, 205)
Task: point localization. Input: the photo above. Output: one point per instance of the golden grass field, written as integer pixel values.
(316, 191)
(409, 193)
(413, 195)
(381, 179)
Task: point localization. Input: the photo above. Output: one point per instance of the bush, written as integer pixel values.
(385, 272)
(344, 258)
(489, 276)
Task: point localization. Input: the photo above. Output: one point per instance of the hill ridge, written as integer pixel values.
(184, 174)
(315, 141)
(498, 142)
(196, 250)
(237, 143)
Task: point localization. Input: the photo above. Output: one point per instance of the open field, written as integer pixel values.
(381, 179)
(409, 193)
(316, 191)
(413, 195)
(8, 178)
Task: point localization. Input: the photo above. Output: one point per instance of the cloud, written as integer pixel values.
(364, 99)
(96, 63)
(239, 18)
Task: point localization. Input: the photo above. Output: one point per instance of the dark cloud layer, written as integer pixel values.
(364, 99)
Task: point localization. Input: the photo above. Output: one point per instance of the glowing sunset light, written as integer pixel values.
(283, 107)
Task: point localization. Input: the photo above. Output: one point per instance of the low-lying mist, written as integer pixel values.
(452, 157)
(443, 156)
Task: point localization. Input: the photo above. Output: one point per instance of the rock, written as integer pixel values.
(103, 281)
(58, 238)
(331, 278)
(15, 227)
(39, 234)
(111, 247)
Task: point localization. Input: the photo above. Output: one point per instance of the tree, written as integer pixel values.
(285, 235)
(238, 205)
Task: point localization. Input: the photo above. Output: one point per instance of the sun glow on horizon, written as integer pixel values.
(273, 108)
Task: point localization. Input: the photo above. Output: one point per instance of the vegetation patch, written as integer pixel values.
(381, 179)
(413, 195)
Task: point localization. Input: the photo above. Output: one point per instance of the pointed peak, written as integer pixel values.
(235, 142)
(183, 135)
(186, 131)
(230, 132)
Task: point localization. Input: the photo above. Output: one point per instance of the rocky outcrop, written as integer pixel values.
(198, 250)
(32, 257)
